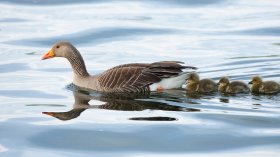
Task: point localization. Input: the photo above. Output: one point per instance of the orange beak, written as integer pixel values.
(48, 55)
(48, 113)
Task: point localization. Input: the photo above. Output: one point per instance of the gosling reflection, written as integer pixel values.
(153, 118)
(224, 100)
(116, 102)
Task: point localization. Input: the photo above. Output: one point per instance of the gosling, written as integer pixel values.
(201, 86)
(233, 87)
(264, 87)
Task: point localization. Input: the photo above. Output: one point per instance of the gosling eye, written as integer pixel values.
(57, 46)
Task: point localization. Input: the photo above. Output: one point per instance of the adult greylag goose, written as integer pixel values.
(134, 77)
(233, 87)
(264, 87)
(201, 86)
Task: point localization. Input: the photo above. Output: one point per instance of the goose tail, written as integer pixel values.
(171, 82)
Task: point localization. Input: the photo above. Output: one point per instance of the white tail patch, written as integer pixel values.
(170, 83)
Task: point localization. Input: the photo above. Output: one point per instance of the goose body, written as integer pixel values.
(264, 87)
(134, 77)
(201, 86)
(233, 87)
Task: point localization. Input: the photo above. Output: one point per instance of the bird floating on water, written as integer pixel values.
(134, 77)
(201, 86)
(264, 87)
(233, 87)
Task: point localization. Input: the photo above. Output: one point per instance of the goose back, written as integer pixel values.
(137, 77)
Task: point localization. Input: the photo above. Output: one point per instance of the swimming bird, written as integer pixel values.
(201, 86)
(264, 87)
(134, 77)
(233, 87)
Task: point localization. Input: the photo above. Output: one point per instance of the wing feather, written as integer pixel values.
(137, 77)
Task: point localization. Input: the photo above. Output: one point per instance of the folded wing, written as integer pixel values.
(137, 77)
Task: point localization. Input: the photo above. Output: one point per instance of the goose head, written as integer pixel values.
(61, 49)
(193, 78)
(256, 80)
(224, 81)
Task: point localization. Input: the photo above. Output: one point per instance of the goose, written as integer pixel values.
(233, 87)
(264, 87)
(201, 86)
(126, 78)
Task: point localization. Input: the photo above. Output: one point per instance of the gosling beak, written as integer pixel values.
(48, 55)
(48, 113)
(251, 82)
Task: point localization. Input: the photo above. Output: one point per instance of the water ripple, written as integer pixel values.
(13, 67)
(94, 36)
(238, 39)
(29, 94)
(63, 2)
(267, 31)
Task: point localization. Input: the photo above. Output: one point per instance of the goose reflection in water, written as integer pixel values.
(120, 102)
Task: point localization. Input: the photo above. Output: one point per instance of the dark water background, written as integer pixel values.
(234, 38)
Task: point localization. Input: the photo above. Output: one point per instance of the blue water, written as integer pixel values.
(238, 38)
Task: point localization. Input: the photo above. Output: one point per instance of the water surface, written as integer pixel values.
(222, 38)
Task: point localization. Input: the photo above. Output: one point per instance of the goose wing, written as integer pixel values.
(137, 77)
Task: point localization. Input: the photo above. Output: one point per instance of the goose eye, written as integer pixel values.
(57, 46)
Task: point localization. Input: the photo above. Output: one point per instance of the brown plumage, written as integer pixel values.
(135, 77)
(202, 86)
(264, 87)
(233, 87)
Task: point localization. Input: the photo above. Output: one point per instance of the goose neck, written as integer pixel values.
(78, 65)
